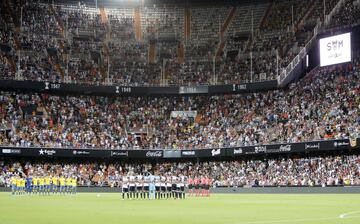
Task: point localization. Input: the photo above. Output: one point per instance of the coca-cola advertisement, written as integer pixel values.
(146, 154)
(156, 154)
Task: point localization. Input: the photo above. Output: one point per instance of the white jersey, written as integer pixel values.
(125, 185)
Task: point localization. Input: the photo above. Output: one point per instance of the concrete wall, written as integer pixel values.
(265, 190)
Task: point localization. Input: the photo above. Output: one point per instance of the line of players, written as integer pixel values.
(199, 186)
(43, 185)
(153, 187)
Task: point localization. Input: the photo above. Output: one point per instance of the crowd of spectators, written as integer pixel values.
(81, 46)
(324, 105)
(349, 14)
(307, 171)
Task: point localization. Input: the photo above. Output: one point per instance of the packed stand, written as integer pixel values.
(349, 14)
(322, 171)
(297, 114)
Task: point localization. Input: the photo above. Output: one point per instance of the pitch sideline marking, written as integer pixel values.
(289, 220)
(345, 215)
(341, 216)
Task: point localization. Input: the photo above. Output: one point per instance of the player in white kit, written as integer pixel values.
(125, 187)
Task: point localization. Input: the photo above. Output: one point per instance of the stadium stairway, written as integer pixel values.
(152, 52)
(59, 70)
(17, 44)
(224, 28)
(105, 48)
(198, 119)
(137, 21)
(181, 53)
(11, 62)
(103, 16)
(58, 20)
(227, 22)
(105, 21)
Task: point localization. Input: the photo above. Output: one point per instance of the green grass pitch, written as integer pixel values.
(108, 208)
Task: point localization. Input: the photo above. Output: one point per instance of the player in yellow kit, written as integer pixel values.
(35, 181)
(18, 185)
(68, 185)
(23, 184)
(55, 183)
(47, 184)
(41, 185)
(74, 185)
(62, 184)
(13, 185)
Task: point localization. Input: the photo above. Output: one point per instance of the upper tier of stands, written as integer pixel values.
(159, 45)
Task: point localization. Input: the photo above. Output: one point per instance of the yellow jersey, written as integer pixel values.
(41, 181)
(74, 182)
(68, 181)
(23, 182)
(13, 181)
(55, 181)
(47, 180)
(35, 181)
(62, 181)
(18, 182)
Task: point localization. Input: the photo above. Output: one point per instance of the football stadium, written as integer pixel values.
(169, 111)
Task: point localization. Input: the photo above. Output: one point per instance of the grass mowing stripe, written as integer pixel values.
(93, 208)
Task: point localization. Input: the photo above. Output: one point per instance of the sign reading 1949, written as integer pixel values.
(123, 89)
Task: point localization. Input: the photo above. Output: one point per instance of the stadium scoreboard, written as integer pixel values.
(335, 49)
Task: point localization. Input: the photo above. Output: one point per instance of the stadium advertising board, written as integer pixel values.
(291, 147)
(193, 89)
(204, 153)
(335, 49)
(188, 153)
(328, 145)
(172, 154)
(148, 154)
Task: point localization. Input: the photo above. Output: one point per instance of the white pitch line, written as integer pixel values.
(289, 220)
(344, 215)
(341, 216)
